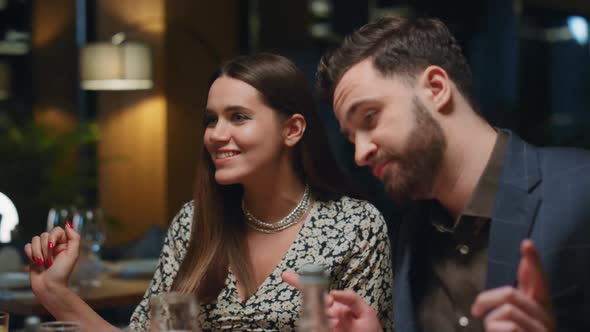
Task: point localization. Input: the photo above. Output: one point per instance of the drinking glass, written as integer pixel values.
(89, 223)
(59, 215)
(4, 317)
(174, 311)
(59, 327)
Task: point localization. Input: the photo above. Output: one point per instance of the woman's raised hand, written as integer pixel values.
(53, 256)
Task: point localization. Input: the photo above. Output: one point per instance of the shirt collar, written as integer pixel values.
(481, 203)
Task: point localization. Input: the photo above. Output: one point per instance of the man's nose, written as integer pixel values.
(364, 150)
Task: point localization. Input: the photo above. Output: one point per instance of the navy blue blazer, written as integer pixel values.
(543, 194)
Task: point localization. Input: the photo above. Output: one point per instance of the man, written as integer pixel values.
(401, 91)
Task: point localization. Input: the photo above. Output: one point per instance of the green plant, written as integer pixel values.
(41, 167)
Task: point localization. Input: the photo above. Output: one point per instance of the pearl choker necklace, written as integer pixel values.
(293, 218)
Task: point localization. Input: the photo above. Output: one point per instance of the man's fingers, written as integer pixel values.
(496, 297)
(502, 326)
(510, 312)
(338, 310)
(333, 323)
(350, 299)
(292, 278)
(346, 296)
(531, 276)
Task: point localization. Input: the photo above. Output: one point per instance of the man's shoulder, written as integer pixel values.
(561, 159)
(565, 168)
(553, 162)
(565, 183)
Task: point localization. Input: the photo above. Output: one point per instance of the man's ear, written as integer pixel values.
(293, 129)
(437, 85)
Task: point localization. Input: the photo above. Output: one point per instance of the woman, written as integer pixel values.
(267, 200)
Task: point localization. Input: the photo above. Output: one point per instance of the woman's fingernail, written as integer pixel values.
(50, 245)
(39, 261)
(49, 262)
(69, 224)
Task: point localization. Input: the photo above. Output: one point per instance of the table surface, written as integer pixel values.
(113, 292)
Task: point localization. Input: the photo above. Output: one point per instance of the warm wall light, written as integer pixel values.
(4, 81)
(118, 65)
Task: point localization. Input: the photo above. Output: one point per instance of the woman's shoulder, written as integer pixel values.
(349, 205)
(182, 223)
(186, 211)
(347, 223)
(351, 210)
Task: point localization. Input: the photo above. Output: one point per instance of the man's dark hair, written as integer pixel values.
(397, 46)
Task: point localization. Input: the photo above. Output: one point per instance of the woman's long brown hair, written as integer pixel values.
(218, 231)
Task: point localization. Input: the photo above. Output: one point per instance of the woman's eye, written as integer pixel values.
(239, 117)
(209, 120)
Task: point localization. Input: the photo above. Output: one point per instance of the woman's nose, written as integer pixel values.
(219, 133)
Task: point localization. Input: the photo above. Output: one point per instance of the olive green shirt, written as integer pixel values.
(454, 267)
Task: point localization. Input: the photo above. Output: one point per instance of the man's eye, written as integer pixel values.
(369, 118)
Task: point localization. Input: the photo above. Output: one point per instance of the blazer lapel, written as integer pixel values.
(403, 304)
(515, 208)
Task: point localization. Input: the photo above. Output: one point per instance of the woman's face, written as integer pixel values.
(243, 135)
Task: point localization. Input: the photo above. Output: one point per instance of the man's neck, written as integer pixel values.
(467, 155)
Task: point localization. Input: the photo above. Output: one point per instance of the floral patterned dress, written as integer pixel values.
(348, 236)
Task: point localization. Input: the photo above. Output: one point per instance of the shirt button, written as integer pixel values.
(464, 249)
(463, 321)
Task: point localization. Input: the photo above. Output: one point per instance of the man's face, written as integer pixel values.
(393, 131)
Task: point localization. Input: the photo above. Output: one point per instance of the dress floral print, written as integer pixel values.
(347, 236)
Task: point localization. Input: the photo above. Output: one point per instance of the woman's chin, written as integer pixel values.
(225, 180)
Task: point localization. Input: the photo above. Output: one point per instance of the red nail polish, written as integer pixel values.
(49, 262)
(69, 224)
(50, 245)
(39, 261)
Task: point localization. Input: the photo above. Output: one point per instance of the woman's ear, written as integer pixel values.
(293, 129)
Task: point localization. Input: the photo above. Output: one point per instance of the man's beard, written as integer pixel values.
(417, 167)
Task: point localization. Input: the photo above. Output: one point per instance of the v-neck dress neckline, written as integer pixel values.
(231, 282)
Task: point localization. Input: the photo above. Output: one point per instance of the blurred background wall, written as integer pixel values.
(530, 58)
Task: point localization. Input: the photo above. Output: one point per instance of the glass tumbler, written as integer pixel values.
(174, 311)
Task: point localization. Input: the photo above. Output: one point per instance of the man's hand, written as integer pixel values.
(346, 310)
(525, 308)
(292, 278)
